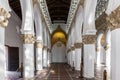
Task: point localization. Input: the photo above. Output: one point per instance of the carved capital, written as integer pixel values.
(78, 45)
(4, 16)
(45, 47)
(28, 38)
(113, 19)
(72, 48)
(39, 44)
(89, 39)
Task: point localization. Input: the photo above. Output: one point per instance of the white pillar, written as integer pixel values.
(28, 55)
(113, 22)
(89, 56)
(115, 55)
(4, 15)
(2, 53)
(39, 64)
(78, 50)
(45, 57)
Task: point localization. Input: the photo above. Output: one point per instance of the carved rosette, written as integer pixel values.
(113, 20)
(4, 16)
(78, 45)
(39, 44)
(28, 39)
(89, 39)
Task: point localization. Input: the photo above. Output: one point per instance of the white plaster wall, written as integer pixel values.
(12, 38)
(59, 53)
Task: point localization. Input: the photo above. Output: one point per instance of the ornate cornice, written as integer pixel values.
(28, 38)
(4, 16)
(89, 39)
(113, 20)
(78, 45)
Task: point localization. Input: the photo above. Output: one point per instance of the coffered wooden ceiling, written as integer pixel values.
(15, 5)
(58, 9)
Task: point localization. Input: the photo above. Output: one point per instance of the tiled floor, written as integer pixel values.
(62, 72)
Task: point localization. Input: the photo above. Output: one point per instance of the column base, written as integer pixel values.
(89, 78)
(29, 79)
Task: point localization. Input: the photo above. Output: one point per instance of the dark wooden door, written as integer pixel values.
(13, 58)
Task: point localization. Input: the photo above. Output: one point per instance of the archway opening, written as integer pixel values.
(58, 46)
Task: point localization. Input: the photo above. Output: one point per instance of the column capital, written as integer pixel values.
(4, 16)
(28, 38)
(39, 44)
(72, 48)
(78, 45)
(89, 39)
(45, 47)
(113, 20)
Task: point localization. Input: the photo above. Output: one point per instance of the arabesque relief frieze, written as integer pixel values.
(113, 20)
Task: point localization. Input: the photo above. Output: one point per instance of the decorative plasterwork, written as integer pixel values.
(45, 12)
(28, 38)
(101, 7)
(39, 44)
(101, 23)
(45, 47)
(4, 15)
(89, 39)
(113, 20)
(78, 45)
(72, 11)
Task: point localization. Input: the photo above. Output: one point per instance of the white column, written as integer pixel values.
(89, 56)
(113, 22)
(39, 64)
(78, 56)
(115, 55)
(45, 57)
(108, 54)
(28, 55)
(39, 38)
(78, 37)
(4, 15)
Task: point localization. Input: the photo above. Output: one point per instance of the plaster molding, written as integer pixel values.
(4, 16)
